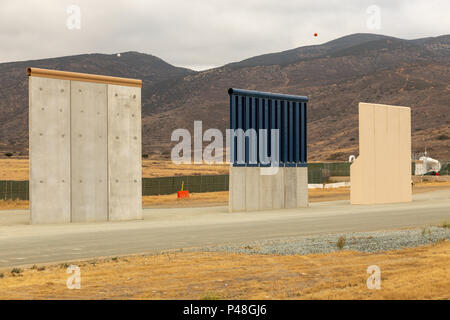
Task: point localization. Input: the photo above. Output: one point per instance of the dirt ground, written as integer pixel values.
(14, 169)
(413, 273)
(195, 199)
(221, 198)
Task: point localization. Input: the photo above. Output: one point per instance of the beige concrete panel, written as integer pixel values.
(382, 172)
(302, 187)
(393, 163)
(237, 189)
(382, 158)
(290, 187)
(89, 151)
(265, 191)
(356, 185)
(252, 188)
(405, 155)
(278, 189)
(368, 167)
(124, 153)
(362, 191)
(49, 134)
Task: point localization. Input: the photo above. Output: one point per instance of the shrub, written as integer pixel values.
(341, 242)
(443, 137)
(445, 225)
(424, 230)
(16, 271)
(210, 296)
(336, 156)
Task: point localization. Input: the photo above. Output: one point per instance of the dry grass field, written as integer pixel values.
(195, 199)
(14, 204)
(413, 273)
(165, 168)
(18, 169)
(14, 169)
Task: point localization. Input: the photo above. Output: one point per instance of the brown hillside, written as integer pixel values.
(335, 76)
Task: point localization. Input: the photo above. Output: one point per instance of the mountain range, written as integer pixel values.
(336, 76)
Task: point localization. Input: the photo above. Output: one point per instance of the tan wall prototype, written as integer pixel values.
(382, 171)
(85, 147)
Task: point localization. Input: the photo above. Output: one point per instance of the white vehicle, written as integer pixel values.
(427, 164)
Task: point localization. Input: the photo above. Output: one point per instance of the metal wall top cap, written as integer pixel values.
(66, 75)
(267, 95)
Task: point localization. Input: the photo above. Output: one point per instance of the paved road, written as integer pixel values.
(163, 229)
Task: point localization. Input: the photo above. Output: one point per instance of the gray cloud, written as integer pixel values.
(203, 33)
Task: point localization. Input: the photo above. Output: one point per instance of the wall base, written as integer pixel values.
(255, 188)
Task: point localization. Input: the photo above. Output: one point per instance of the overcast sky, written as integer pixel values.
(199, 34)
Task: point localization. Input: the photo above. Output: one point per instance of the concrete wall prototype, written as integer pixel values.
(382, 171)
(251, 191)
(85, 147)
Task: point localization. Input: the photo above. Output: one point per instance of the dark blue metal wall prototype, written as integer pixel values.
(264, 110)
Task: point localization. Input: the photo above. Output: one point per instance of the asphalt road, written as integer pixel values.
(165, 229)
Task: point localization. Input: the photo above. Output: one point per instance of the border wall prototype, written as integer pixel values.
(85, 147)
(382, 171)
(254, 183)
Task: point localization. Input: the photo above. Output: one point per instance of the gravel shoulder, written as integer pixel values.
(368, 242)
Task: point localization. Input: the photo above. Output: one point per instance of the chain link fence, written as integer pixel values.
(19, 190)
(14, 190)
(169, 185)
(445, 168)
(321, 172)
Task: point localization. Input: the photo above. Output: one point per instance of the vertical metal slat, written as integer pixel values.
(297, 122)
(232, 127)
(303, 133)
(253, 125)
(291, 133)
